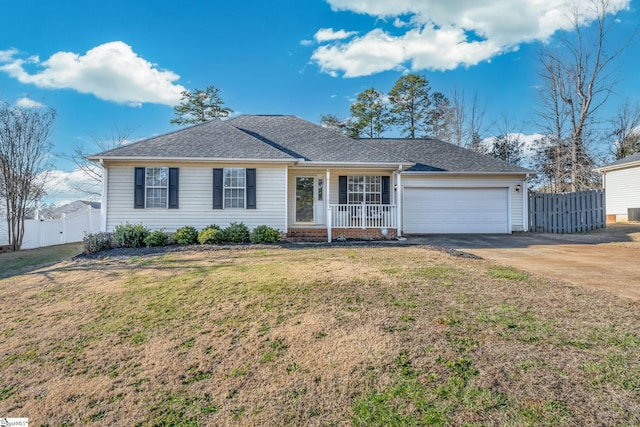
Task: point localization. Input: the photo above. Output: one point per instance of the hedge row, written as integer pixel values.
(137, 235)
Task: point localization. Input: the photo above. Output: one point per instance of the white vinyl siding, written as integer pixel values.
(515, 199)
(622, 191)
(196, 199)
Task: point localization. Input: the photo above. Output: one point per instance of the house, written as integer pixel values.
(4, 229)
(309, 182)
(621, 181)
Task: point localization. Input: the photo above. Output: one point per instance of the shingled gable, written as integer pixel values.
(430, 155)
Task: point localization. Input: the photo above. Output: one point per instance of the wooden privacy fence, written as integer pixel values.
(566, 213)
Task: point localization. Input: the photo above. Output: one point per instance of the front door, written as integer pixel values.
(309, 200)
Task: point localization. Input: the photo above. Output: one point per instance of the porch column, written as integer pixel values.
(399, 201)
(327, 201)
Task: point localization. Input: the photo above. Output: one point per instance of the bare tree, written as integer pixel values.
(24, 154)
(467, 121)
(91, 186)
(625, 132)
(578, 79)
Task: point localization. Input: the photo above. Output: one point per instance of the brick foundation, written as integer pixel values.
(338, 234)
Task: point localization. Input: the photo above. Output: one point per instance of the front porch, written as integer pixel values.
(361, 222)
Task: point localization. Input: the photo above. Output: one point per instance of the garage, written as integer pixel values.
(455, 210)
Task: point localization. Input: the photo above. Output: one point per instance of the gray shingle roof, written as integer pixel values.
(310, 141)
(213, 140)
(286, 138)
(431, 155)
(634, 158)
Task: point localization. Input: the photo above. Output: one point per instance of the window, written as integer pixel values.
(364, 189)
(156, 188)
(156, 185)
(234, 187)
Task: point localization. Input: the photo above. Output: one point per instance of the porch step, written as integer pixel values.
(307, 235)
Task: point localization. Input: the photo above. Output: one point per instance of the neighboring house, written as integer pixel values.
(309, 182)
(4, 230)
(621, 181)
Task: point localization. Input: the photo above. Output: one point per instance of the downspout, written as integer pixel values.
(286, 198)
(525, 203)
(103, 199)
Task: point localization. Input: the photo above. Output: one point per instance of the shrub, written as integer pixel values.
(156, 238)
(130, 235)
(265, 234)
(211, 234)
(96, 242)
(186, 235)
(237, 233)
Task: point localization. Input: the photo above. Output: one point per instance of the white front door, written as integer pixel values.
(309, 203)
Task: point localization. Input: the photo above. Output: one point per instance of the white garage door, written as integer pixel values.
(455, 210)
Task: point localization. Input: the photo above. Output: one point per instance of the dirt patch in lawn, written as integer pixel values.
(608, 260)
(332, 336)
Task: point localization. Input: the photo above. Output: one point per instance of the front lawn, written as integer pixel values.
(12, 263)
(333, 336)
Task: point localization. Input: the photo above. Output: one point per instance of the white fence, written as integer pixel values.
(68, 229)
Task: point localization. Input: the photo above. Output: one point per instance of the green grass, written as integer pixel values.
(20, 262)
(366, 337)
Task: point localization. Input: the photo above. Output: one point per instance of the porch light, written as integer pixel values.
(395, 187)
(518, 187)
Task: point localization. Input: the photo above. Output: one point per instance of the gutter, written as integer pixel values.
(189, 160)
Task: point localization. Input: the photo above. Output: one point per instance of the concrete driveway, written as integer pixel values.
(606, 259)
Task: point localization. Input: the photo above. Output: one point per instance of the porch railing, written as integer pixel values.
(364, 216)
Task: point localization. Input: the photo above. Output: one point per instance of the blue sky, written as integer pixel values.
(124, 63)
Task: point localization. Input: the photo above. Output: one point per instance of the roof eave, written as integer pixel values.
(188, 159)
(468, 173)
(355, 165)
(618, 166)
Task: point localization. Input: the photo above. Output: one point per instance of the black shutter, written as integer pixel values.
(342, 190)
(251, 188)
(386, 190)
(173, 188)
(138, 191)
(218, 182)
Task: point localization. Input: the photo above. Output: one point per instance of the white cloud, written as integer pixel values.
(7, 55)
(26, 102)
(441, 35)
(327, 34)
(62, 187)
(111, 71)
